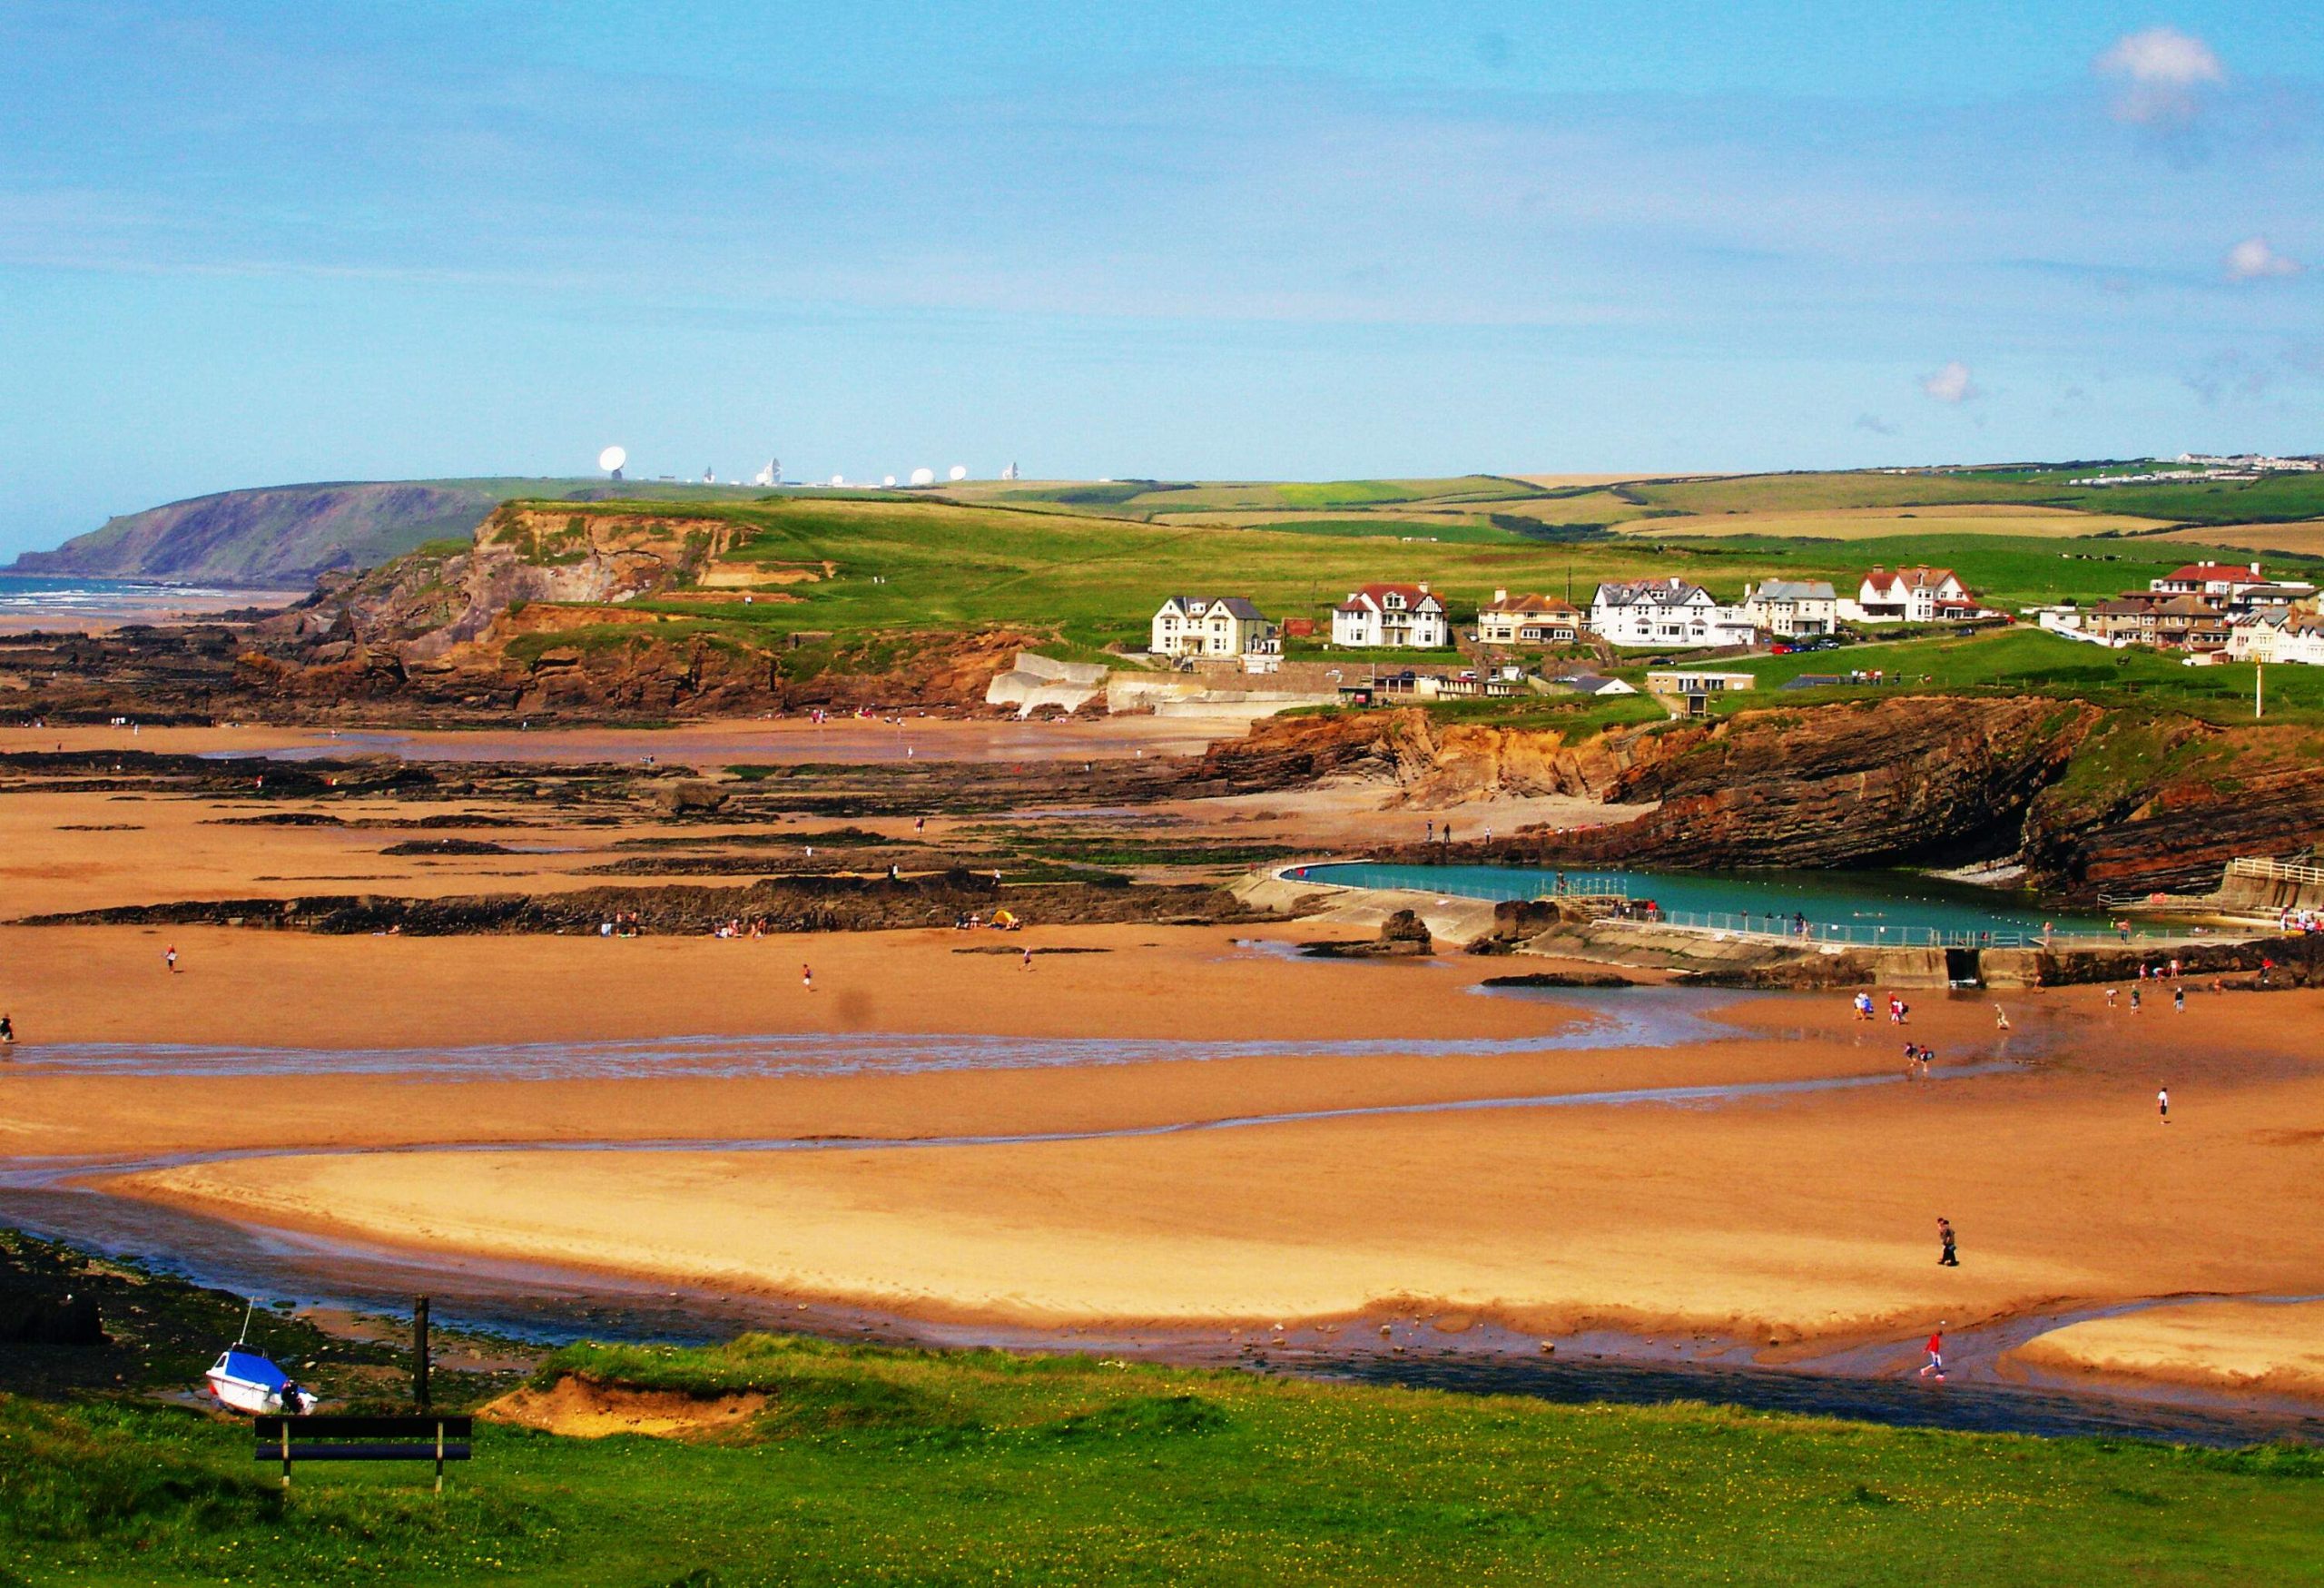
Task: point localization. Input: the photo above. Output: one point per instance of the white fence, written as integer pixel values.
(2276, 870)
(1772, 928)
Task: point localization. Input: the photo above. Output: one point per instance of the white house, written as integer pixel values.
(1530, 620)
(1405, 616)
(1670, 614)
(1593, 684)
(1913, 594)
(2216, 581)
(2276, 637)
(1212, 625)
(1789, 608)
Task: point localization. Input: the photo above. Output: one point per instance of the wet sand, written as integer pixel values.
(1803, 1217)
(784, 740)
(1181, 1127)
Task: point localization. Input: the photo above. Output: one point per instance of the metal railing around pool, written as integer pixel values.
(1769, 927)
(1613, 894)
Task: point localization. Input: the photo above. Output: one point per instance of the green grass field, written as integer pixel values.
(929, 565)
(878, 1465)
(2030, 662)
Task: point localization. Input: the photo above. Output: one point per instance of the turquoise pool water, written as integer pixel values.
(1851, 906)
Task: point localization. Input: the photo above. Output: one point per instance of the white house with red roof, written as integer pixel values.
(1912, 594)
(2217, 580)
(1404, 616)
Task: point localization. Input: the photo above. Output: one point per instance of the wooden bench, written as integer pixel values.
(423, 1437)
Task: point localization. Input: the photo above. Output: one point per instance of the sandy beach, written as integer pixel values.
(1798, 1218)
(1180, 1124)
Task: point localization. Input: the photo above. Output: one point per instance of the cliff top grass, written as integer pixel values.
(870, 1465)
(2025, 661)
(928, 563)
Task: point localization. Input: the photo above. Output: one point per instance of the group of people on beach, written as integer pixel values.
(620, 923)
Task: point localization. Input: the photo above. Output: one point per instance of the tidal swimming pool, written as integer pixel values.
(1852, 906)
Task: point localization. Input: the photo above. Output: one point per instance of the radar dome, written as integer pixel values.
(612, 457)
(959, 471)
(923, 477)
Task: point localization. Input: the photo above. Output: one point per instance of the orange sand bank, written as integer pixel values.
(2215, 1345)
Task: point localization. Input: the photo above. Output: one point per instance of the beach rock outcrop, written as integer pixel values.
(1401, 936)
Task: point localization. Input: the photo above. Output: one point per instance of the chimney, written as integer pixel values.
(2255, 567)
(1500, 597)
(1423, 587)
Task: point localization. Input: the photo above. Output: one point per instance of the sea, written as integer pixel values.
(65, 602)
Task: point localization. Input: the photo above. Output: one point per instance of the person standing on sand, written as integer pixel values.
(2135, 1000)
(2110, 998)
(2179, 999)
(807, 977)
(1028, 953)
(1950, 1256)
(2163, 1104)
(1936, 1348)
(169, 958)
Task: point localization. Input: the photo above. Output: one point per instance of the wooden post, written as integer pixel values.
(420, 1353)
(286, 1452)
(440, 1456)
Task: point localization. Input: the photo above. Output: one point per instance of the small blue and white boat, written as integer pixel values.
(247, 1381)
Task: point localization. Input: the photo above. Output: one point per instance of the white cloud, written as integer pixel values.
(1951, 384)
(2252, 259)
(2162, 72)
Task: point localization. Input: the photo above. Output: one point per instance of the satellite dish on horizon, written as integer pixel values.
(923, 477)
(611, 458)
(959, 471)
(887, 479)
(838, 479)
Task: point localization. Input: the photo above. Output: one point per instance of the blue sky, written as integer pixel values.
(255, 242)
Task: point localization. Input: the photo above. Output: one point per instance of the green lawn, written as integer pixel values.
(2274, 498)
(872, 1465)
(929, 565)
(2023, 661)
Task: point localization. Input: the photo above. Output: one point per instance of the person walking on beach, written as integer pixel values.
(2110, 998)
(1950, 1256)
(2001, 1017)
(169, 958)
(1028, 953)
(807, 976)
(1936, 1348)
(2179, 999)
(2135, 1000)
(2163, 1104)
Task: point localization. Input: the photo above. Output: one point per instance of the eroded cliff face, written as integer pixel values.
(2090, 802)
(537, 617)
(1430, 764)
(2165, 804)
(1934, 779)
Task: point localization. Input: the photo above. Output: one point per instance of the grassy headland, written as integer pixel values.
(878, 1464)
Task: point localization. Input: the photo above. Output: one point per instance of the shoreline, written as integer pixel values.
(1467, 1351)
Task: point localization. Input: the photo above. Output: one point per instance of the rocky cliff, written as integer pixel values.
(282, 537)
(2090, 802)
